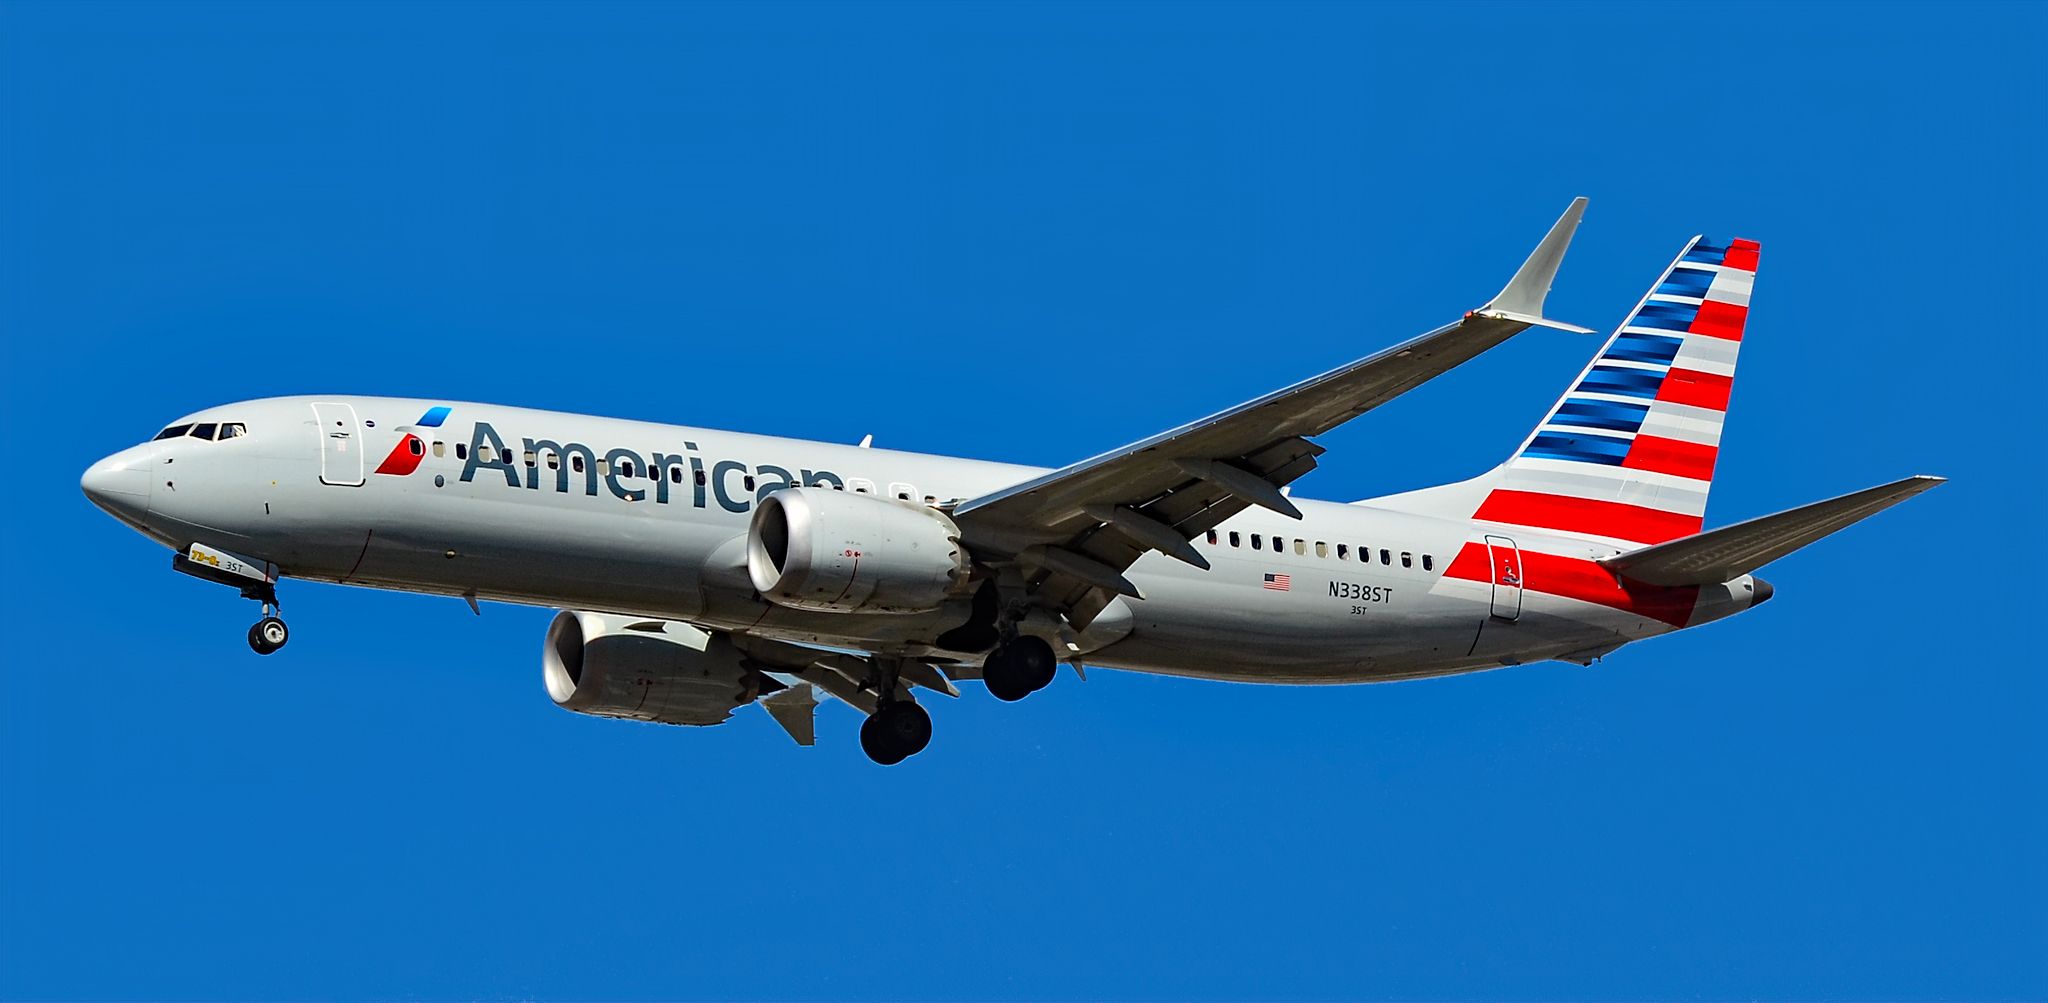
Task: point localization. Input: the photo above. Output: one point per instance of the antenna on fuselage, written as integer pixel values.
(867, 440)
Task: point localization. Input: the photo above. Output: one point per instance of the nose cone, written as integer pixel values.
(120, 485)
(1763, 593)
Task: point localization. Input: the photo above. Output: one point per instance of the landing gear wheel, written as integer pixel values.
(895, 732)
(268, 635)
(1036, 656)
(1019, 668)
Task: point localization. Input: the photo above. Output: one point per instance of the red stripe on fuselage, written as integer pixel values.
(1583, 515)
(1671, 456)
(1696, 389)
(1584, 580)
(1719, 320)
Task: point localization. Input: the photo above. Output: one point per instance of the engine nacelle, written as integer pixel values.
(645, 670)
(840, 552)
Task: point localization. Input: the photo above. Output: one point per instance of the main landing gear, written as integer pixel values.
(1019, 667)
(898, 729)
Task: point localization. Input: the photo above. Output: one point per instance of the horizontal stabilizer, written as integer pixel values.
(1730, 552)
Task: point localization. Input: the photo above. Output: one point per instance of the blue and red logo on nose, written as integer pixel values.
(411, 449)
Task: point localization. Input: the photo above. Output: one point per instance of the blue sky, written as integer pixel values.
(1027, 234)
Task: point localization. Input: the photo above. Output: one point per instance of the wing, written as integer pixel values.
(1075, 531)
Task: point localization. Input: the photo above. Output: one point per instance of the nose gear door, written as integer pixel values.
(1506, 560)
(341, 444)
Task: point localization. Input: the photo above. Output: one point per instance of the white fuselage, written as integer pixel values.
(588, 528)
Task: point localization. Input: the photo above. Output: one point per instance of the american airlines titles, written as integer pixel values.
(720, 481)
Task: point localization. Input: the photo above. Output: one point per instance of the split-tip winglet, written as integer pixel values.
(1522, 299)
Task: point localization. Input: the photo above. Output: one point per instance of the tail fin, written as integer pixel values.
(1628, 453)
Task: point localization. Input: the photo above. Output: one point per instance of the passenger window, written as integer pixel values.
(701, 479)
(1427, 563)
(747, 482)
(1258, 542)
(675, 475)
(414, 446)
(1407, 559)
(554, 461)
(604, 468)
(462, 451)
(1278, 544)
(440, 448)
(233, 430)
(576, 462)
(625, 468)
(1233, 538)
(1212, 538)
(532, 458)
(483, 454)
(1322, 549)
(1386, 556)
(1300, 547)
(1343, 552)
(204, 430)
(931, 499)
(173, 432)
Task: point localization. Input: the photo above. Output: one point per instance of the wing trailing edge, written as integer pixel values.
(1725, 554)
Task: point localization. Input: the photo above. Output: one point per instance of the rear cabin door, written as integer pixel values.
(341, 445)
(1506, 559)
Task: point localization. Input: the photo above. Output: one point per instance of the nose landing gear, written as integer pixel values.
(269, 633)
(255, 579)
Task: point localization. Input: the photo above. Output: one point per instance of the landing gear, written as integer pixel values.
(1019, 667)
(898, 729)
(269, 633)
(895, 732)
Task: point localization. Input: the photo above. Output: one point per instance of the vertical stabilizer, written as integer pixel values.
(1628, 453)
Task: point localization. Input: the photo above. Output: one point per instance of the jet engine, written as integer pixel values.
(644, 670)
(839, 552)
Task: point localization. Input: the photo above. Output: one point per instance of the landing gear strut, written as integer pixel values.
(1019, 667)
(898, 729)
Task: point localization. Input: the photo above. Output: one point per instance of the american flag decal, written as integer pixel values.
(1278, 583)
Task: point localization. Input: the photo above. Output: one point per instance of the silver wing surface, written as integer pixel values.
(1074, 532)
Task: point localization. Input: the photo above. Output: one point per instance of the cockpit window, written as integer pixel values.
(205, 430)
(231, 429)
(173, 432)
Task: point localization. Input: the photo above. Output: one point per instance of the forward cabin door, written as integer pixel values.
(1506, 559)
(341, 445)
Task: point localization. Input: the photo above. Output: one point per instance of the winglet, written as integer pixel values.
(1522, 300)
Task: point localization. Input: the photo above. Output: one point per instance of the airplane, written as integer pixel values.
(698, 571)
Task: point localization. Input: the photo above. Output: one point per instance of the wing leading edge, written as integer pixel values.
(1074, 531)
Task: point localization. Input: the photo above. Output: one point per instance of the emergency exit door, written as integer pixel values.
(341, 445)
(1506, 560)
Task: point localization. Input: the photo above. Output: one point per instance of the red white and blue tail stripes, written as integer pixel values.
(1628, 454)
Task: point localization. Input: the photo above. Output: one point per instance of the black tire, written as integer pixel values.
(268, 635)
(1036, 664)
(908, 726)
(1003, 673)
(875, 741)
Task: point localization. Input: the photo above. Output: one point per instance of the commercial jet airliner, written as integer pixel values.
(698, 571)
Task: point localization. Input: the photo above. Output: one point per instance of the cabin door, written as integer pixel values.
(1506, 560)
(341, 445)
